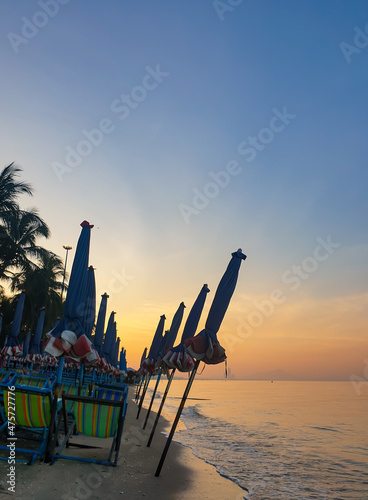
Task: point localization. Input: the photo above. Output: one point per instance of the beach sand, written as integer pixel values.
(183, 476)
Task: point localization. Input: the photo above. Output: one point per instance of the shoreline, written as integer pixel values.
(183, 476)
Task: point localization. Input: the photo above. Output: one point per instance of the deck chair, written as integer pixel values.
(94, 417)
(115, 395)
(28, 416)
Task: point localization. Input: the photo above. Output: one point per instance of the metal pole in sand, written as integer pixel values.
(161, 406)
(138, 389)
(143, 395)
(153, 397)
(48, 453)
(180, 409)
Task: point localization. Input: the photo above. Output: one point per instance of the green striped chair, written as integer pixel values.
(28, 414)
(94, 417)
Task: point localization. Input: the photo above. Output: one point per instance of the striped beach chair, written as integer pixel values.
(115, 395)
(28, 414)
(93, 417)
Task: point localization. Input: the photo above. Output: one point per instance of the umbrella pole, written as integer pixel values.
(180, 409)
(138, 389)
(48, 453)
(161, 407)
(143, 395)
(153, 397)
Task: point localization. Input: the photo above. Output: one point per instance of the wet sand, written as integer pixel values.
(183, 476)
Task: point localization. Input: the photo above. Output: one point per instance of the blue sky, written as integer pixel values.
(223, 80)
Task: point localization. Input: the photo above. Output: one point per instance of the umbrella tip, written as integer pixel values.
(86, 223)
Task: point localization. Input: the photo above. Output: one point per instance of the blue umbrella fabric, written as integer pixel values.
(35, 351)
(149, 363)
(176, 357)
(205, 346)
(116, 353)
(113, 347)
(144, 355)
(170, 338)
(75, 303)
(100, 325)
(122, 361)
(25, 349)
(109, 337)
(89, 312)
(12, 346)
(69, 336)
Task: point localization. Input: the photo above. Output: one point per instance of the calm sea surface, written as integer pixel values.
(284, 440)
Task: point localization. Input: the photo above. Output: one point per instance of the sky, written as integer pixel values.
(186, 130)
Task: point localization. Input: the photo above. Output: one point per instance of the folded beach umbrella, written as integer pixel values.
(75, 303)
(69, 336)
(100, 325)
(170, 338)
(26, 344)
(176, 357)
(205, 346)
(149, 363)
(114, 353)
(148, 367)
(12, 346)
(144, 355)
(122, 361)
(90, 303)
(34, 354)
(109, 338)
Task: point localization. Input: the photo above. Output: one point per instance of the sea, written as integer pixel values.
(277, 440)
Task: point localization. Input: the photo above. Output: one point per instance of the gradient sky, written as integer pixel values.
(227, 74)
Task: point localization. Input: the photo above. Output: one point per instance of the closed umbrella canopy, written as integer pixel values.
(122, 360)
(144, 355)
(35, 347)
(116, 352)
(112, 351)
(157, 339)
(12, 346)
(75, 303)
(26, 344)
(170, 338)
(149, 362)
(100, 325)
(90, 303)
(205, 345)
(69, 335)
(108, 340)
(176, 357)
(194, 316)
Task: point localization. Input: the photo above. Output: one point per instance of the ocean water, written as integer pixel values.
(280, 440)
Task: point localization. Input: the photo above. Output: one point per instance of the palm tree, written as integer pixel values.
(11, 188)
(42, 286)
(18, 237)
